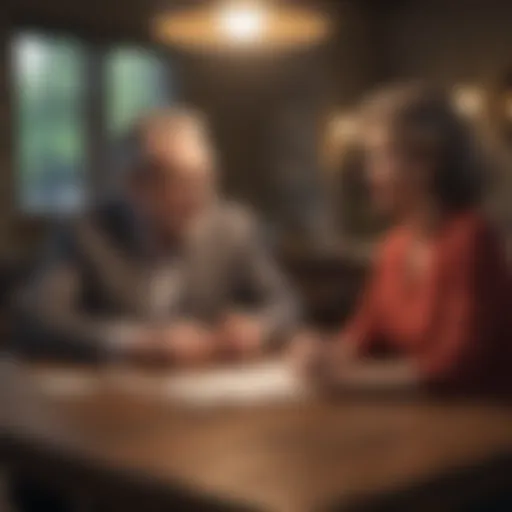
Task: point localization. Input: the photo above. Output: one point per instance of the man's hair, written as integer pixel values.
(171, 118)
(135, 145)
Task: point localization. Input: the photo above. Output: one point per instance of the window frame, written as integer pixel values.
(97, 48)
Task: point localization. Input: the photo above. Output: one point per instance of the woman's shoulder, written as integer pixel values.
(472, 237)
(471, 228)
(462, 231)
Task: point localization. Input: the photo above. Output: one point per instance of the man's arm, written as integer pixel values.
(49, 319)
(276, 306)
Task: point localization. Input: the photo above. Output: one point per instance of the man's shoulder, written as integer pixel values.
(109, 219)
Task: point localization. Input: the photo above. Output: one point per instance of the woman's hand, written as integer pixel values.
(307, 354)
(321, 359)
(394, 375)
(188, 343)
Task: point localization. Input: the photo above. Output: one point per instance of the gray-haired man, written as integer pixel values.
(168, 272)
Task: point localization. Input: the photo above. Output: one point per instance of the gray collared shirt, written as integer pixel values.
(97, 288)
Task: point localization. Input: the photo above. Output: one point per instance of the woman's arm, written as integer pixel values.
(363, 331)
(469, 309)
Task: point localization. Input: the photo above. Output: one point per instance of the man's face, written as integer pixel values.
(175, 183)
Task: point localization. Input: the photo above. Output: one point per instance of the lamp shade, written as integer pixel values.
(235, 26)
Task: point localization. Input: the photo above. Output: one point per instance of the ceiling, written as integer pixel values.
(111, 19)
(133, 13)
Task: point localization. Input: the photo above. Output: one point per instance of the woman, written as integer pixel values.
(440, 294)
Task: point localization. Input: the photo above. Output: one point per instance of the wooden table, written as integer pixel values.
(128, 449)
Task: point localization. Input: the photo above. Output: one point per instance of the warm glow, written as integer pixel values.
(343, 128)
(508, 106)
(242, 22)
(469, 101)
(342, 131)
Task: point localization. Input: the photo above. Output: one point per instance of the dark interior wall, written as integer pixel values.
(241, 102)
(19, 235)
(457, 43)
(448, 41)
(451, 41)
(358, 52)
(5, 135)
(267, 114)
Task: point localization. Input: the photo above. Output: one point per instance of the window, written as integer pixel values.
(137, 81)
(50, 99)
(53, 104)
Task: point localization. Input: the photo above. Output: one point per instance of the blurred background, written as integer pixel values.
(279, 83)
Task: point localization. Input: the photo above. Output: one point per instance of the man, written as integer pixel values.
(168, 272)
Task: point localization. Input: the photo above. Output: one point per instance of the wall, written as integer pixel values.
(457, 43)
(451, 41)
(349, 61)
(19, 235)
(5, 134)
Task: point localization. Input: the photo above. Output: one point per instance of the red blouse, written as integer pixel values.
(454, 321)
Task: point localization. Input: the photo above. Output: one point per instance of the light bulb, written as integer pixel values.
(242, 22)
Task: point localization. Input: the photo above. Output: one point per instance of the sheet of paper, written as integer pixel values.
(265, 382)
(66, 384)
(378, 376)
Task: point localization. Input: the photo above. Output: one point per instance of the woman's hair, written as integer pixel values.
(424, 123)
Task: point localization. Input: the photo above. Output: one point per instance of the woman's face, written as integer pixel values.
(395, 179)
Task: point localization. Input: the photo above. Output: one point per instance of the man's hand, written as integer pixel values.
(142, 346)
(241, 336)
(188, 344)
